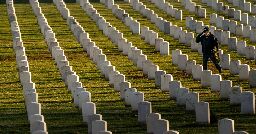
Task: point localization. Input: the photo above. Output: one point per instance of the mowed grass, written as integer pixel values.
(12, 108)
(120, 119)
(221, 108)
(60, 114)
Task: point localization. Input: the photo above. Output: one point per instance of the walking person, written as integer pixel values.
(209, 42)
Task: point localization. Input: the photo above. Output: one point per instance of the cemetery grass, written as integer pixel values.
(56, 103)
(169, 111)
(57, 107)
(12, 110)
(120, 119)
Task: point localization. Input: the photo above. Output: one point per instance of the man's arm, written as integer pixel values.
(199, 37)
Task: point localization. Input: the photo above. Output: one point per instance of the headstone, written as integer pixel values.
(234, 66)
(226, 126)
(241, 45)
(237, 15)
(161, 126)
(239, 29)
(174, 87)
(206, 78)
(252, 78)
(33, 108)
(235, 95)
(99, 125)
(247, 102)
(175, 54)
(225, 61)
(144, 109)
(189, 65)
(216, 82)
(182, 96)
(182, 61)
(244, 18)
(128, 93)
(197, 71)
(202, 112)
(152, 71)
(192, 99)
(158, 78)
(88, 109)
(38, 125)
(92, 118)
(225, 88)
(245, 31)
(159, 41)
(244, 72)
(123, 86)
(84, 96)
(232, 26)
(135, 99)
(250, 52)
(151, 121)
(164, 48)
(232, 43)
(165, 80)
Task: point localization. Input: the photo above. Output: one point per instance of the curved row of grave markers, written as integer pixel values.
(181, 98)
(82, 98)
(111, 4)
(127, 93)
(206, 77)
(35, 118)
(92, 51)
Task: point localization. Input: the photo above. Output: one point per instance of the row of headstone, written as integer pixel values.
(227, 126)
(244, 18)
(193, 8)
(36, 119)
(168, 8)
(130, 95)
(82, 98)
(80, 95)
(243, 5)
(206, 79)
(233, 27)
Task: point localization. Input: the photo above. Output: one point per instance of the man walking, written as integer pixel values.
(209, 43)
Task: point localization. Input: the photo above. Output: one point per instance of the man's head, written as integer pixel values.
(206, 30)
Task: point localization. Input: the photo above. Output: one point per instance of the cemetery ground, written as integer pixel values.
(58, 109)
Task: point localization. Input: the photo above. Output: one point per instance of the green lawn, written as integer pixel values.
(57, 107)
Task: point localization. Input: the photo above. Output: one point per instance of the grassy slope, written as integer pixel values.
(107, 100)
(56, 101)
(57, 106)
(12, 108)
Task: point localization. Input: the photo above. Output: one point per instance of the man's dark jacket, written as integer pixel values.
(208, 43)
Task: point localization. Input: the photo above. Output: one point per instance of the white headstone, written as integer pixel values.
(144, 109)
(174, 87)
(244, 72)
(165, 80)
(206, 78)
(247, 102)
(226, 126)
(88, 108)
(235, 95)
(225, 88)
(99, 125)
(252, 78)
(191, 100)
(215, 82)
(202, 112)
